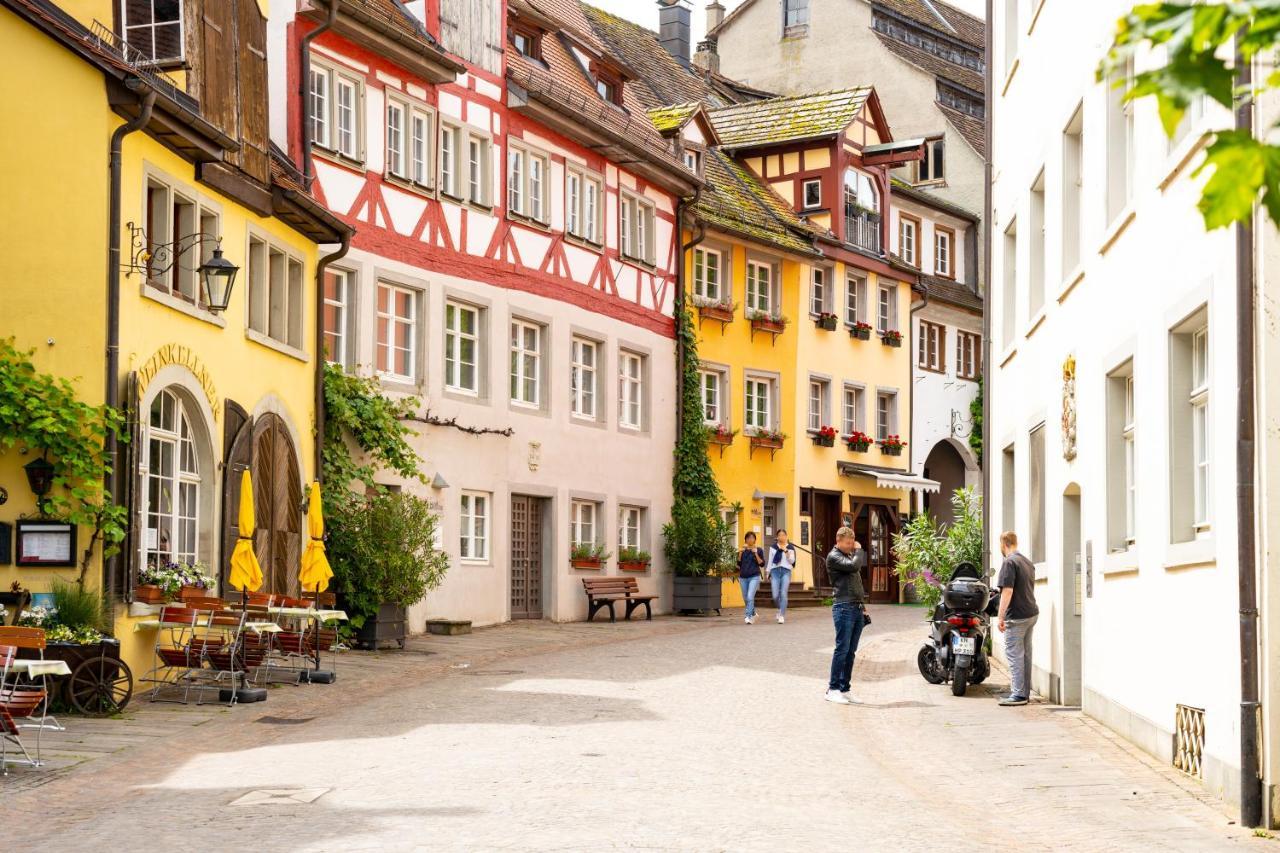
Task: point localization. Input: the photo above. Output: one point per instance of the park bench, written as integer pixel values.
(605, 592)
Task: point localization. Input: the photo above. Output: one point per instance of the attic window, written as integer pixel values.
(527, 41)
(608, 85)
(153, 28)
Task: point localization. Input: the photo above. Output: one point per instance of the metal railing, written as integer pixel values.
(863, 230)
(106, 39)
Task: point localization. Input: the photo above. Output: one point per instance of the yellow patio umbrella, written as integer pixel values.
(246, 574)
(315, 573)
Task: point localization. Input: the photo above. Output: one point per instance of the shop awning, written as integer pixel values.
(888, 478)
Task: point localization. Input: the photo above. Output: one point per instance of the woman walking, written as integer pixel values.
(750, 562)
(782, 558)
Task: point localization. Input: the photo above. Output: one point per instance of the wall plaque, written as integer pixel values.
(43, 543)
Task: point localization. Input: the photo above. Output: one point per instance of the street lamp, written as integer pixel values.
(39, 478)
(219, 276)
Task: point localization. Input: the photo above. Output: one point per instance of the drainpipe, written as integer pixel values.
(911, 388)
(700, 234)
(321, 266)
(304, 93)
(985, 285)
(111, 482)
(1250, 704)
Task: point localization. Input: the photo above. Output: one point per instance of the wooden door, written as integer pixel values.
(237, 455)
(826, 521)
(277, 504)
(526, 557)
(880, 523)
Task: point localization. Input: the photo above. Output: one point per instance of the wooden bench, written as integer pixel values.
(605, 592)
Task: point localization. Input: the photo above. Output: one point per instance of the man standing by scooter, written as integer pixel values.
(844, 567)
(1018, 613)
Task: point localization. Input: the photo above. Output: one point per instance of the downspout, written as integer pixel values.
(112, 481)
(304, 93)
(700, 234)
(911, 389)
(1246, 540)
(985, 289)
(321, 267)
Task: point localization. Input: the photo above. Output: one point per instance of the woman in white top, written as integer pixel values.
(782, 558)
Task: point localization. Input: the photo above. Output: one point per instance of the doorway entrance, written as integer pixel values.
(875, 523)
(277, 505)
(826, 521)
(1072, 592)
(526, 556)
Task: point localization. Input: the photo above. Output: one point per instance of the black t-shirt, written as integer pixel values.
(1017, 573)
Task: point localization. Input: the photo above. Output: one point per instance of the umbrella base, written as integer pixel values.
(317, 676)
(243, 695)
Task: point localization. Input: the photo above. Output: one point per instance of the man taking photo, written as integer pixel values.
(844, 567)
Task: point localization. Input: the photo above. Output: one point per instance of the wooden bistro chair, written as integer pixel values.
(181, 644)
(18, 709)
(221, 651)
(32, 640)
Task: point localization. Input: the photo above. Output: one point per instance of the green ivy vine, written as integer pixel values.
(41, 414)
(975, 416)
(694, 478)
(356, 407)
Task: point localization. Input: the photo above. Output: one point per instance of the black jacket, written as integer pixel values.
(845, 571)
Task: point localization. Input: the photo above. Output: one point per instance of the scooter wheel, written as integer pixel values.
(928, 664)
(960, 681)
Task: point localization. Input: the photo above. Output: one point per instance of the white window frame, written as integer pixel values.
(931, 346)
(449, 166)
(637, 218)
(631, 369)
(906, 224)
(820, 290)
(584, 205)
(276, 295)
(393, 319)
(630, 526)
(968, 355)
(527, 182)
(181, 479)
(584, 522)
(760, 287)
(944, 252)
(526, 364)
(454, 339)
(479, 150)
(852, 409)
(816, 184)
(819, 400)
(182, 279)
(584, 379)
(757, 412)
(705, 285)
(126, 28)
(855, 299)
(1202, 431)
(925, 169)
(711, 394)
(886, 414)
(473, 538)
(1127, 435)
(887, 308)
(340, 302)
(339, 137)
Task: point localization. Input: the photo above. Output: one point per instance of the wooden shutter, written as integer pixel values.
(217, 65)
(237, 454)
(286, 558)
(252, 53)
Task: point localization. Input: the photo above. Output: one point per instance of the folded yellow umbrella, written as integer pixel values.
(246, 574)
(315, 573)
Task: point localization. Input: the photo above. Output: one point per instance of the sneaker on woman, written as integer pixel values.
(837, 697)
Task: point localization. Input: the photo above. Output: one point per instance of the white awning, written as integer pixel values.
(888, 479)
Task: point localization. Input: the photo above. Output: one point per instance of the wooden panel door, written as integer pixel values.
(526, 557)
(277, 499)
(826, 521)
(237, 455)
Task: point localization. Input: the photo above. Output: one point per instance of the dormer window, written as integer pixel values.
(526, 40)
(153, 28)
(608, 85)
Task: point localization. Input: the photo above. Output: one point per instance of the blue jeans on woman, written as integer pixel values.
(780, 579)
(750, 586)
(848, 622)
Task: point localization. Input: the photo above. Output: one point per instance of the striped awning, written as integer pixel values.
(890, 479)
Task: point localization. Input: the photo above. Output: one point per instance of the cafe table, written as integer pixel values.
(318, 617)
(41, 669)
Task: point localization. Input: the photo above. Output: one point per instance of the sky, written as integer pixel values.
(645, 12)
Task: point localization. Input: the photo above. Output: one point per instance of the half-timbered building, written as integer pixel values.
(514, 268)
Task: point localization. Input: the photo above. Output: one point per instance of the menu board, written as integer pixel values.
(46, 543)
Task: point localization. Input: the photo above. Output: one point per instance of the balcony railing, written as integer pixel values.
(863, 230)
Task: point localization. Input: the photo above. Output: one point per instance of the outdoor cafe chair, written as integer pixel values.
(32, 639)
(182, 640)
(18, 709)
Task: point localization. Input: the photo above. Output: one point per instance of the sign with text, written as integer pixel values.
(46, 543)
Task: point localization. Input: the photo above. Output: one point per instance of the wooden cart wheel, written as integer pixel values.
(100, 686)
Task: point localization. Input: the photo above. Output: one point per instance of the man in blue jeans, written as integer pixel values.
(844, 567)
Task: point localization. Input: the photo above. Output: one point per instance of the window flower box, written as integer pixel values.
(860, 331)
(892, 446)
(825, 437)
(176, 582)
(891, 338)
(858, 442)
(721, 312)
(590, 564)
(587, 556)
(721, 435)
(763, 321)
(826, 322)
(149, 593)
(768, 439)
(633, 560)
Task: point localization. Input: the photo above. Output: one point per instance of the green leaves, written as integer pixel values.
(693, 475)
(355, 407)
(1242, 166)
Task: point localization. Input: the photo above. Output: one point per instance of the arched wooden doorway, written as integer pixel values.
(277, 502)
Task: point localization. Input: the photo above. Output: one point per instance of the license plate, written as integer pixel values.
(963, 645)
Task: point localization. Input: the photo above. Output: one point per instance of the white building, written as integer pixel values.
(1112, 440)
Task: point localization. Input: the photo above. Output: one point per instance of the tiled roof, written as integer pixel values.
(788, 119)
(669, 119)
(391, 14)
(735, 201)
(971, 128)
(935, 65)
(952, 292)
(943, 17)
(901, 188)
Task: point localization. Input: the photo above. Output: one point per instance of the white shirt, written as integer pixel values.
(788, 560)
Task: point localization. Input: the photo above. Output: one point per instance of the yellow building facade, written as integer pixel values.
(209, 393)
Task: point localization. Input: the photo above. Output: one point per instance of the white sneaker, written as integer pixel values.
(781, 619)
(750, 620)
(848, 697)
(837, 697)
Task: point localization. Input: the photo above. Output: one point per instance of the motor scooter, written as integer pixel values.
(959, 625)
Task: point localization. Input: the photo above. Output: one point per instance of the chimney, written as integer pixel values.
(674, 30)
(707, 58)
(715, 15)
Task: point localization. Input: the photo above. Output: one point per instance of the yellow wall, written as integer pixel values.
(53, 235)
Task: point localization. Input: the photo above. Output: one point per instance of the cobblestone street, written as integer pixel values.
(676, 734)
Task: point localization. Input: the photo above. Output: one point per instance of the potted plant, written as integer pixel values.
(721, 310)
(773, 322)
(826, 321)
(768, 438)
(382, 550)
(633, 559)
(194, 580)
(860, 331)
(721, 434)
(892, 446)
(891, 338)
(698, 545)
(824, 437)
(587, 555)
(858, 441)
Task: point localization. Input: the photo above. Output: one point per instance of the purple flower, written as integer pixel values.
(931, 579)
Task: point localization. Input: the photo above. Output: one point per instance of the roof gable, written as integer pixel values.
(777, 121)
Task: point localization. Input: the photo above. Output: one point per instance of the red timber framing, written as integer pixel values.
(421, 228)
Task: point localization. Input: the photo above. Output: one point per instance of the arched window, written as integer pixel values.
(171, 474)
